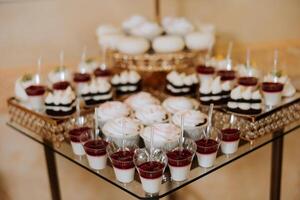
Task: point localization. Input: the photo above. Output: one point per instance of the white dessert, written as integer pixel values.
(126, 81)
(97, 162)
(123, 127)
(245, 71)
(150, 114)
(97, 91)
(151, 186)
(179, 173)
(229, 147)
(110, 41)
(168, 44)
(133, 45)
(166, 135)
(288, 88)
(180, 83)
(21, 84)
(124, 175)
(206, 160)
(133, 22)
(272, 98)
(147, 30)
(87, 66)
(177, 26)
(35, 102)
(77, 148)
(59, 74)
(199, 41)
(175, 104)
(141, 100)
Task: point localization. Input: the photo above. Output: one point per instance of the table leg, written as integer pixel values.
(52, 173)
(277, 149)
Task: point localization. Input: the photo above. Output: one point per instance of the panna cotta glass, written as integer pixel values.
(122, 162)
(60, 86)
(248, 81)
(207, 149)
(102, 73)
(272, 92)
(35, 95)
(81, 80)
(227, 75)
(76, 139)
(150, 169)
(205, 73)
(180, 160)
(230, 140)
(95, 150)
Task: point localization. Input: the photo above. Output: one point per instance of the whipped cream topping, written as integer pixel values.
(96, 86)
(112, 109)
(61, 97)
(141, 100)
(215, 86)
(133, 22)
(122, 125)
(175, 104)
(147, 30)
(126, 77)
(191, 118)
(177, 26)
(151, 114)
(162, 133)
(288, 89)
(59, 75)
(181, 79)
(247, 93)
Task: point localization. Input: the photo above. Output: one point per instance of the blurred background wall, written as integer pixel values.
(30, 28)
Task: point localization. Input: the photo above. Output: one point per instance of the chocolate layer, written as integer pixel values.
(245, 100)
(91, 102)
(61, 104)
(60, 113)
(245, 112)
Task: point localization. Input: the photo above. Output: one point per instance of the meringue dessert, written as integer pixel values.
(215, 91)
(166, 135)
(59, 74)
(140, 100)
(177, 26)
(175, 104)
(111, 110)
(35, 95)
(199, 41)
(81, 80)
(96, 92)
(167, 44)
(181, 84)
(150, 114)
(21, 84)
(245, 100)
(194, 122)
(76, 139)
(207, 152)
(148, 30)
(230, 140)
(133, 45)
(96, 153)
(115, 130)
(127, 82)
(61, 102)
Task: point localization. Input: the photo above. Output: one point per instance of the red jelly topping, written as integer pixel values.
(122, 159)
(62, 85)
(272, 87)
(101, 72)
(207, 146)
(76, 133)
(151, 169)
(81, 77)
(248, 81)
(230, 134)
(226, 75)
(35, 90)
(179, 158)
(95, 147)
(205, 70)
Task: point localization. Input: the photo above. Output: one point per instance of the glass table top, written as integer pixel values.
(135, 188)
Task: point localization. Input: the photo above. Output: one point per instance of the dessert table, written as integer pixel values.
(168, 187)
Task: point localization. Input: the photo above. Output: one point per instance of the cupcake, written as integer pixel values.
(194, 122)
(150, 114)
(164, 135)
(61, 102)
(98, 91)
(141, 100)
(111, 110)
(127, 82)
(35, 95)
(116, 128)
(175, 104)
(181, 84)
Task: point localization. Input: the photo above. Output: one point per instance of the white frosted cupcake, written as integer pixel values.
(151, 114)
(165, 135)
(194, 122)
(175, 104)
(141, 100)
(112, 110)
(115, 128)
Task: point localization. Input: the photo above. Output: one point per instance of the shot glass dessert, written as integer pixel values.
(76, 139)
(205, 73)
(180, 160)
(272, 92)
(122, 162)
(35, 95)
(81, 80)
(150, 169)
(230, 140)
(207, 149)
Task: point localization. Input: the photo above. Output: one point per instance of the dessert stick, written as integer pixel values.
(228, 57)
(123, 133)
(182, 132)
(96, 123)
(103, 64)
(151, 143)
(275, 65)
(39, 69)
(61, 66)
(209, 122)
